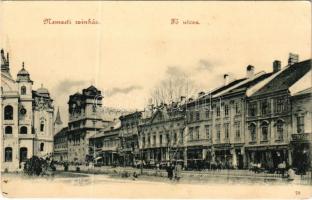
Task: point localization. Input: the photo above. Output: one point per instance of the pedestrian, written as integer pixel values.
(291, 174)
(157, 169)
(178, 171)
(169, 171)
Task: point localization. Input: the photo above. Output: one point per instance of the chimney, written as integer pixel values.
(293, 58)
(201, 94)
(250, 71)
(276, 66)
(226, 79)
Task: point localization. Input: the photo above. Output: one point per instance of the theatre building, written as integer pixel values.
(26, 118)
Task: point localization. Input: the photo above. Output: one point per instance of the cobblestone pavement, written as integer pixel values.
(216, 176)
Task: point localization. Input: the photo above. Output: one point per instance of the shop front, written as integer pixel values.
(301, 152)
(269, 157)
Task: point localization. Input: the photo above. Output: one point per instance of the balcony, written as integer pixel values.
(198, 142)
(301, 137)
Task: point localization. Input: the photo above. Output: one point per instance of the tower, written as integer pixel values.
(25, 111)
(58, 124)
(5, 64)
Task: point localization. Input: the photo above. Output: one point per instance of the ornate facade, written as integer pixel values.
(26, 119)
(85, 120)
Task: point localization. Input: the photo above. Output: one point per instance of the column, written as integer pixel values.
(234, 157)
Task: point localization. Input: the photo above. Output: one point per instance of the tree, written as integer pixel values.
(171, 89)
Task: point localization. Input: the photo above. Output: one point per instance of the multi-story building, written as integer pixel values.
(60, 152)
(85, 120)
(301, 135)
(161, 134)
(105, 145)
(206, 139)
(26, 119)
(269, 116)
(129, 131)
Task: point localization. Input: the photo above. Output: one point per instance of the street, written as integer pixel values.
(70, 184)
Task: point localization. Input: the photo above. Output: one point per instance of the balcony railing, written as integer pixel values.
(302, 137)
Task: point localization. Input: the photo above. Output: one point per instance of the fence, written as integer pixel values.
(304, 179)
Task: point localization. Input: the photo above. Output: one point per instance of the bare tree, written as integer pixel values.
(171, 89)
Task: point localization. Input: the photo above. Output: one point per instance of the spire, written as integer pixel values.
(58, 117)
(5, 65)
(23, 65)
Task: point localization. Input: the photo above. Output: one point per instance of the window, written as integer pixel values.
(160, 139)
(279, 130)
(143, 141)
(181, 136)
(191, 134)
(218, 111)
(42, 126)
(300, 124)
(265, 107)
(264, 131)
(196, 135)
(237, 129)
(8, 113)
(8, 154)
(207, 113)
(8, 130)
(207, 128)
(23, 154)
(191, 116)
(253, 109)
(41, 146)
(226, 110)
(23, 90)
(174, 137)
(23, 130)
(281, 104)
(168, 138)
(197, 115)
(94, 108)
(226, 131)
(154, 140)
(237, 108)
(218, 131)
(252, 131)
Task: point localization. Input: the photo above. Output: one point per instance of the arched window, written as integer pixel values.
(8, 154)
(279, 130)
(41, 146)
(23, 130)
(8, 130)
(252, 131)
(42, 126)
(8, 112)
(264, 131)
(23, 154)
(23, 90)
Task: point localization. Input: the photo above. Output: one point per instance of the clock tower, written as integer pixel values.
(85, 120)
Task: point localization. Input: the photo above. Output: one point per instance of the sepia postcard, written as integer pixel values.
(156, 99)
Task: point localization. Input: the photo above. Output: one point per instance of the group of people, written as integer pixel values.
(174, 171)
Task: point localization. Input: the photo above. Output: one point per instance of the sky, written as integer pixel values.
(135, 46)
